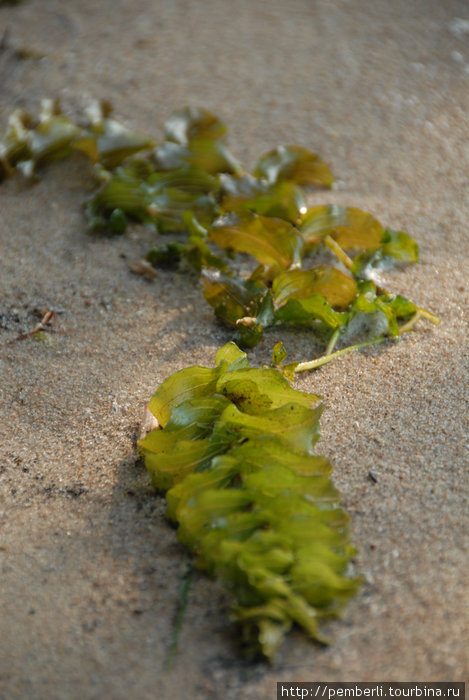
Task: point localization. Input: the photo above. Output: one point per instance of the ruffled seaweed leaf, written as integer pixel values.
(194, 255)
(13, 146)
(189, 123)
(396, 247)
(338, 288)
(203, 152)
(161, 199)
(188, 384)
(274, 243)
(351, 228)
(235, 191)
(283, 200)
(243, 304)
(260, 390)
(295, 164)
(251, 500)
(373, 315)
(278, 354)
(307, 311)
(27, 145)
(109, 143)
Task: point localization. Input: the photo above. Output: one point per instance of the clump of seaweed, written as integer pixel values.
(218, 218)
(251, 500)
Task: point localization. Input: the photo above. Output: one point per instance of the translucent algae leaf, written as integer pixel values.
(206, 153)
(395, 246)
(338, 288)
(295, 164)
(191, 383)
(13, 146)
(260, 389)
(352, 228)
(274, 243)
(27, 145)
(230, 357)
(193, 255)
(109, 142)
(161, 199)
(189, 123)
(169, 459)
(236, 191)
(283, 200)
(233, 298)
(250, 498)
(278, 354)
(373, 315)
(307, 311)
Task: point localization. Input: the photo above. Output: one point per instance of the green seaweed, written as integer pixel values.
(191, 186)
(29, 144)
(251, 500)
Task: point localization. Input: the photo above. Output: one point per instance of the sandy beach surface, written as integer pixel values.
(90, 569)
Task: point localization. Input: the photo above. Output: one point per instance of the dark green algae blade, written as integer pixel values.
(250, 497)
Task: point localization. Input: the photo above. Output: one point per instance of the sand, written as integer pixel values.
(90, 569)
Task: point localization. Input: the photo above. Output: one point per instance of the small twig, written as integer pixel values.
(45, 324)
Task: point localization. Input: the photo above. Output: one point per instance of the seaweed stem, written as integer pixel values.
(320, 361)
(410, 323)
(339, 252)
(333, 342)
(428, 315)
